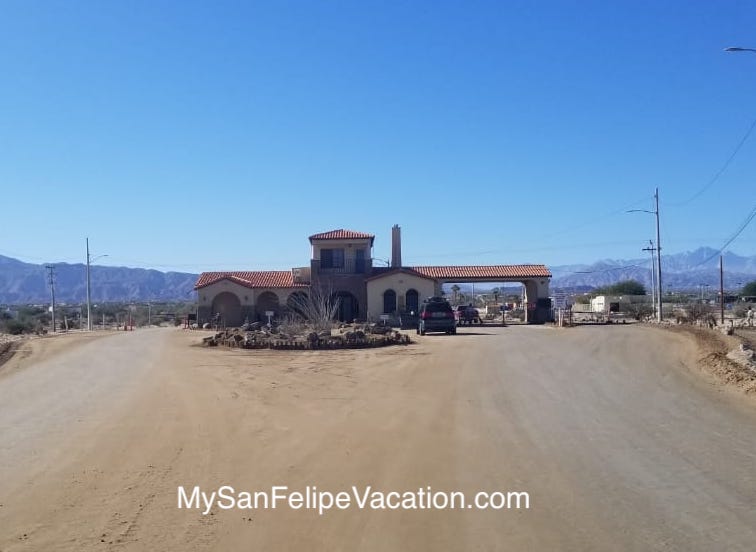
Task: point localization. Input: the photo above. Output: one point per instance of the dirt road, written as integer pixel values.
(618, 439)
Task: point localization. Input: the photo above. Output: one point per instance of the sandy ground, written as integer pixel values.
(620, 441)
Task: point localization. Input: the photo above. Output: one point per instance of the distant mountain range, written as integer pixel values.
(27, 283)
(22, 283)
(679, 271)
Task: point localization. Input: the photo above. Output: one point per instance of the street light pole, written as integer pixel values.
(89, 286)
(655, 212)
(654, 291)
(89, 296)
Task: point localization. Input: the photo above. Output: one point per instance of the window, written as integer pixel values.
(389, 301)
(359, 261)
(331, 258)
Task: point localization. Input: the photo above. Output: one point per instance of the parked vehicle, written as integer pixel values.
(467, 314)
(436, 315)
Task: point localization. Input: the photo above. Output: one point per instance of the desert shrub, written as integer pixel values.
(16, 327)
(639, 311)
(698, 311)
(740, 311)
(319, 307)
(293, 324)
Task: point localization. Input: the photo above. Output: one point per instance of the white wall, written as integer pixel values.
(601, 303)
(400, 282)
(349, 246)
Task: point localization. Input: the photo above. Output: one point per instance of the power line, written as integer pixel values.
(721, 170)
(732, 238)
(592, 220)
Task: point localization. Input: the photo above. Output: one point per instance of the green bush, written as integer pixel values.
(626, 287)
(639, 311)
(16, 327)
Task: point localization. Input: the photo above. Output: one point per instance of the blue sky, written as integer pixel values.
(218, 135)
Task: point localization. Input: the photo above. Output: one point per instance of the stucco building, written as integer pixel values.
(341, 263)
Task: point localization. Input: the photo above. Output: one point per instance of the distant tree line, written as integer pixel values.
(31, 319)
(625, 287)
(749, 290)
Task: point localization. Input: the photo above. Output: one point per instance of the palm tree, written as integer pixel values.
(455, 290)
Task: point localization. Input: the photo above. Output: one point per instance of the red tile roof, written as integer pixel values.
(380, 272)
(488, 272)
(254, 279)
(342, 234)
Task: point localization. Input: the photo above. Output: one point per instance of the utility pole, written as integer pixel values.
(51, 279)
(659, 315)
(721, 290)
(89, 296)
(659, 286)
(651, 248)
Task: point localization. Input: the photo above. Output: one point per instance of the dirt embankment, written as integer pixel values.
(9, 344)
(721, 356)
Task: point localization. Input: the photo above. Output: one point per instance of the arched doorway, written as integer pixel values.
(228, 306)
(412, 300)
(389, 301)
(349, 308)
(267, 301)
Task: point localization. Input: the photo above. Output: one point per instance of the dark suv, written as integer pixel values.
(436, 315)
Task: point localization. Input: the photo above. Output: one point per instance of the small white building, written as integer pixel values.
(615, 303)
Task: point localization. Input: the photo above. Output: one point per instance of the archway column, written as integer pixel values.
(537, 302)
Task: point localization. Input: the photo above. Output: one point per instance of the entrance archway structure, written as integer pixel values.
(535, 278)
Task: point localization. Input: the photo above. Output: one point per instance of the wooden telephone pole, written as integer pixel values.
(51, 280)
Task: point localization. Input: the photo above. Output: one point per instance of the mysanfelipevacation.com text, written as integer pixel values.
(227, 497)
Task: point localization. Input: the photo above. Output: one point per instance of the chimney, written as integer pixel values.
(396, 246)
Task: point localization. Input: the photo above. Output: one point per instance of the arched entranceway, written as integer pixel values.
(349, 308)
(412, 300)
(267, 301)
(228, 306)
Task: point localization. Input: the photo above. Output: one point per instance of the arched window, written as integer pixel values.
(412, 300)
(389, 301)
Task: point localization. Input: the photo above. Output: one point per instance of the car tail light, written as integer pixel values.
(424, 315)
